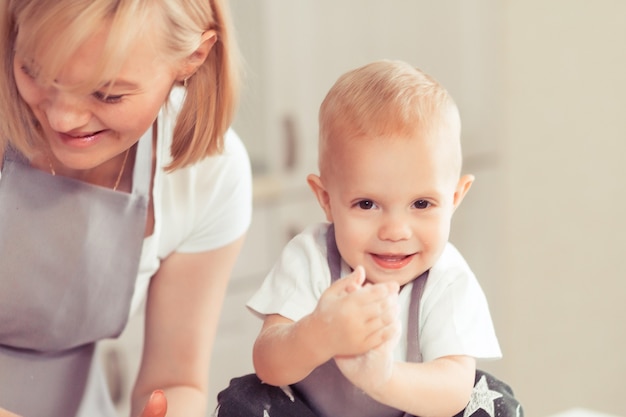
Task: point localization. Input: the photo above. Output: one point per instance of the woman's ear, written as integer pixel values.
(462, 187)
(197, 57)
(315, 182)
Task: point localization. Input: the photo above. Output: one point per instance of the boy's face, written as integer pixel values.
(391, 201)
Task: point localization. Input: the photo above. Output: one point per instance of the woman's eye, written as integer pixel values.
(107, 98)
(421, 204)
(366, 204)
(27, 71)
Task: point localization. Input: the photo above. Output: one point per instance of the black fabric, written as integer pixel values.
(247, 396)
(491, 397)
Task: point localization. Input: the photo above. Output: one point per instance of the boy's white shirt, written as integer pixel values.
(454, 316)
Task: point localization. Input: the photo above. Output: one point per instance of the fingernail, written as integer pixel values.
(156, 392)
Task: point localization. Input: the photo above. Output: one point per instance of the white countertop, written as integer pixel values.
(582, 412)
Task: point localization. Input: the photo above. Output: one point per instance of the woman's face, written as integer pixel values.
(85, 129)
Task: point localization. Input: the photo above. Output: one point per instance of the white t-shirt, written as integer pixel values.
(197, 208)
(454, 317)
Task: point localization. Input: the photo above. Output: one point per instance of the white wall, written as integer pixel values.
(565, 187)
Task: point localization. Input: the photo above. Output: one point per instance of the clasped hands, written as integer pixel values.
(361, 327)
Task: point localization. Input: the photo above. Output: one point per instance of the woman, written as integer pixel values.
(120, 182)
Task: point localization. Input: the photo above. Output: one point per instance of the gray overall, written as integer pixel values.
(69, 257)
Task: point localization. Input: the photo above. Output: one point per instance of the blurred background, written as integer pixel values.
(541, 86)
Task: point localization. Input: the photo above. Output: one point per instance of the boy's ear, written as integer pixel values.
(315, 182)
(197, 57)
(462, 187)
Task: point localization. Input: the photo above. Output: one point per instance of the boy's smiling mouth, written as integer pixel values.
(392, 261)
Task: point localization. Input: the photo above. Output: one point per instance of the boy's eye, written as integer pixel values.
(107, 98)
(366, 204)
(421, 204)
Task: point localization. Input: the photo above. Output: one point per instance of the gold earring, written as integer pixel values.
(185, 82)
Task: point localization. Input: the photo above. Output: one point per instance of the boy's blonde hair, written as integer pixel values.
(59, 27)
(381, 99)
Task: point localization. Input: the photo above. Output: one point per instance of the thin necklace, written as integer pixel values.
(119, 175)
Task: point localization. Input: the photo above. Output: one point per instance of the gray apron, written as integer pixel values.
(69, 258)
(332, 393)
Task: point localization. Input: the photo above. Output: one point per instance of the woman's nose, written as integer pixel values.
(66, 111)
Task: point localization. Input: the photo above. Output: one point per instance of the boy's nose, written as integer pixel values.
(394, 228)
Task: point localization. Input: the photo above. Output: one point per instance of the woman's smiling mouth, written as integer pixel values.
(80, 140)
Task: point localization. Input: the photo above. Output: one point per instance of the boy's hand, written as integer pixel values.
(372, 369)
(354, 318)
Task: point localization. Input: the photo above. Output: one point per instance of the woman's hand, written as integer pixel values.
(5, 413)
(155, 407)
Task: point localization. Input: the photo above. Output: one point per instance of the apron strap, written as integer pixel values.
(10, 154)
(142, 173)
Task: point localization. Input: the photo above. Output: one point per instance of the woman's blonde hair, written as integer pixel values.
(380, 99)
(57, 28)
